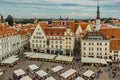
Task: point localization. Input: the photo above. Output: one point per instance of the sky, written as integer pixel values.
(77, 9)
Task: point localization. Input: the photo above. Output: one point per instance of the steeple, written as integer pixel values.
(98, 12)
(98, 25)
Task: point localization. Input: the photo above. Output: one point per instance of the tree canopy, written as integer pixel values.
(9, 19)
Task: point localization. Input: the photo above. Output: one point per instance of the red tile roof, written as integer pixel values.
(115, 45)
(111, 32)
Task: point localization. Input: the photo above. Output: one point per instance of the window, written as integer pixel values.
(33, 41)
(42, 37)
(43, 46)
(97, 44)
(84, 48)
(105, 49)
(89, 48)
(36, 41)
(56, 46)
(69, 38)
(52, 46)
(52, 41)
(44, 41)
(84, 53)
(106, 44)
(60, 46)
(105, 53)
(89, 43)
(101, 44)
(97, 49)
(84, 43)
(56, 42)
(60, 42)
(40, 41)
(92, 43)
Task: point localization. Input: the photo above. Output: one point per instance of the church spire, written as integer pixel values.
(98, 12)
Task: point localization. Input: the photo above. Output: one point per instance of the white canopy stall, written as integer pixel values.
(41, 73)
(11, 60)
(88, 73)
(43, 56)
(26, 78)
(68, 74)
(19, 72)
(50, 78)
(79, 78)
(57, 69)
(64, 58)
(93, 60)
(33, 67)
(1, 72)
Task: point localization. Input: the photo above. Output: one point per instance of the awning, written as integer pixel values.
(79, 78)
(57, 68)
(19, 72)
(108, 60)
(41, 73)
(64, 58)
(33, 67)
(26, 78)
(50, 78)
(93, 60)
(68, 73)
(88, 73)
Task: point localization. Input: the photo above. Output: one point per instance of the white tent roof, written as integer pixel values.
(50, 78)
(64, 58)
(33, 67)
(26, 78)
(68, 73)
(108, 60)
(93, 60)
(19, 72)
(1, 73)
(103, 61)
(40, 55)
(28, 54)
(57, 68)
(88, 73)
(79, 78)
(41, 73)
(10, 60)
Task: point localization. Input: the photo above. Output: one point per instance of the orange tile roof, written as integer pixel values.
(83, 25)
(115, 45)
(7, 31)
(86, 36)
(111, 32)
(54, 31)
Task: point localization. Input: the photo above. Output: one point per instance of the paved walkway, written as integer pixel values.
(23, 63)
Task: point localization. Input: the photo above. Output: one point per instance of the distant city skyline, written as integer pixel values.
(77, 9)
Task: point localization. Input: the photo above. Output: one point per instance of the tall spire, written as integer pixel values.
(98, 12)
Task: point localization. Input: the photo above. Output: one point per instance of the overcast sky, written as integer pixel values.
(55, 8)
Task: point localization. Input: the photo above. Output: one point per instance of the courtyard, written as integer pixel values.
(110, 72)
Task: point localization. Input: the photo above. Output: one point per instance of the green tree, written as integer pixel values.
(9, 19)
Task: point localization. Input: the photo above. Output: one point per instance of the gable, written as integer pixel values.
(38, 31)
(89, 28)
(79, 30)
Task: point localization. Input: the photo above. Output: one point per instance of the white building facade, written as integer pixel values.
(9, 44)
(95, 45)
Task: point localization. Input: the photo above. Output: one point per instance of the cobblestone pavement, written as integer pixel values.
(23, 63)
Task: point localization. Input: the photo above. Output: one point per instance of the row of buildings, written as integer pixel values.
(92, 39)
(85, 39)
(13, 39)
